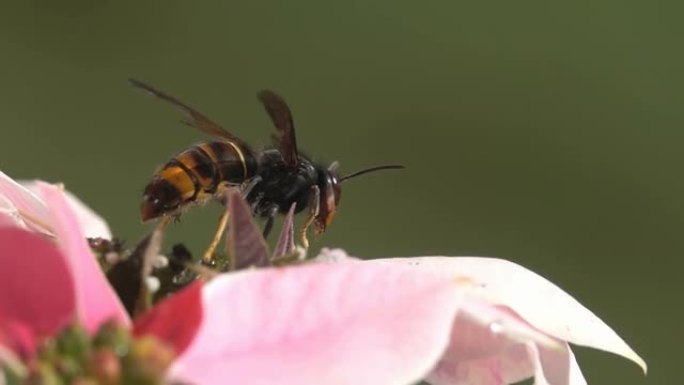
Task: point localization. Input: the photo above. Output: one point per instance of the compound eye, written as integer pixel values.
(330, 197)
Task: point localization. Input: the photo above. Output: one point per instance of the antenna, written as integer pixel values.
(371, 169)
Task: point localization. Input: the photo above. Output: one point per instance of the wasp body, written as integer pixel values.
(272, 179)
(196, 175)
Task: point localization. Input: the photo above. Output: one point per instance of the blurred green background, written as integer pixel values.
(543, 132)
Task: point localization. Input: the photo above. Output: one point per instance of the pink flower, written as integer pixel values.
(496, 343)
(27, 309)
(448, 320)
(21, 205)
(336, 321)
(50, 277)
(48, 282)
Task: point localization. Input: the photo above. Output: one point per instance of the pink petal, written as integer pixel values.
(518, 349)
(19, 200)
(93, 224)
(537, 300)
(26, 207)
(163, 320)
(512, 364)
(96, 301)
(576, 376)
(18, 337)
(348, 323)
(9, 215)
(488, 346)
(555, 366)
(36, 289)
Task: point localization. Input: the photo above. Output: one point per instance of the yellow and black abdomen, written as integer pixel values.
(195, 175)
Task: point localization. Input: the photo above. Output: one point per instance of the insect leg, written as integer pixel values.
(314, 207)
(245, 189)
(223, 221)
(272, 212)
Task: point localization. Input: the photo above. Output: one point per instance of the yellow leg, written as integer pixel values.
(208, 255)
(165, 222)
(305, 229)
(313, 213)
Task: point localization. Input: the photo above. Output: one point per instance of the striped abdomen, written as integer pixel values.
(195, 174)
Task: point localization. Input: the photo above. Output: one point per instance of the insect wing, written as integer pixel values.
(198, 119)
(285, 132)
